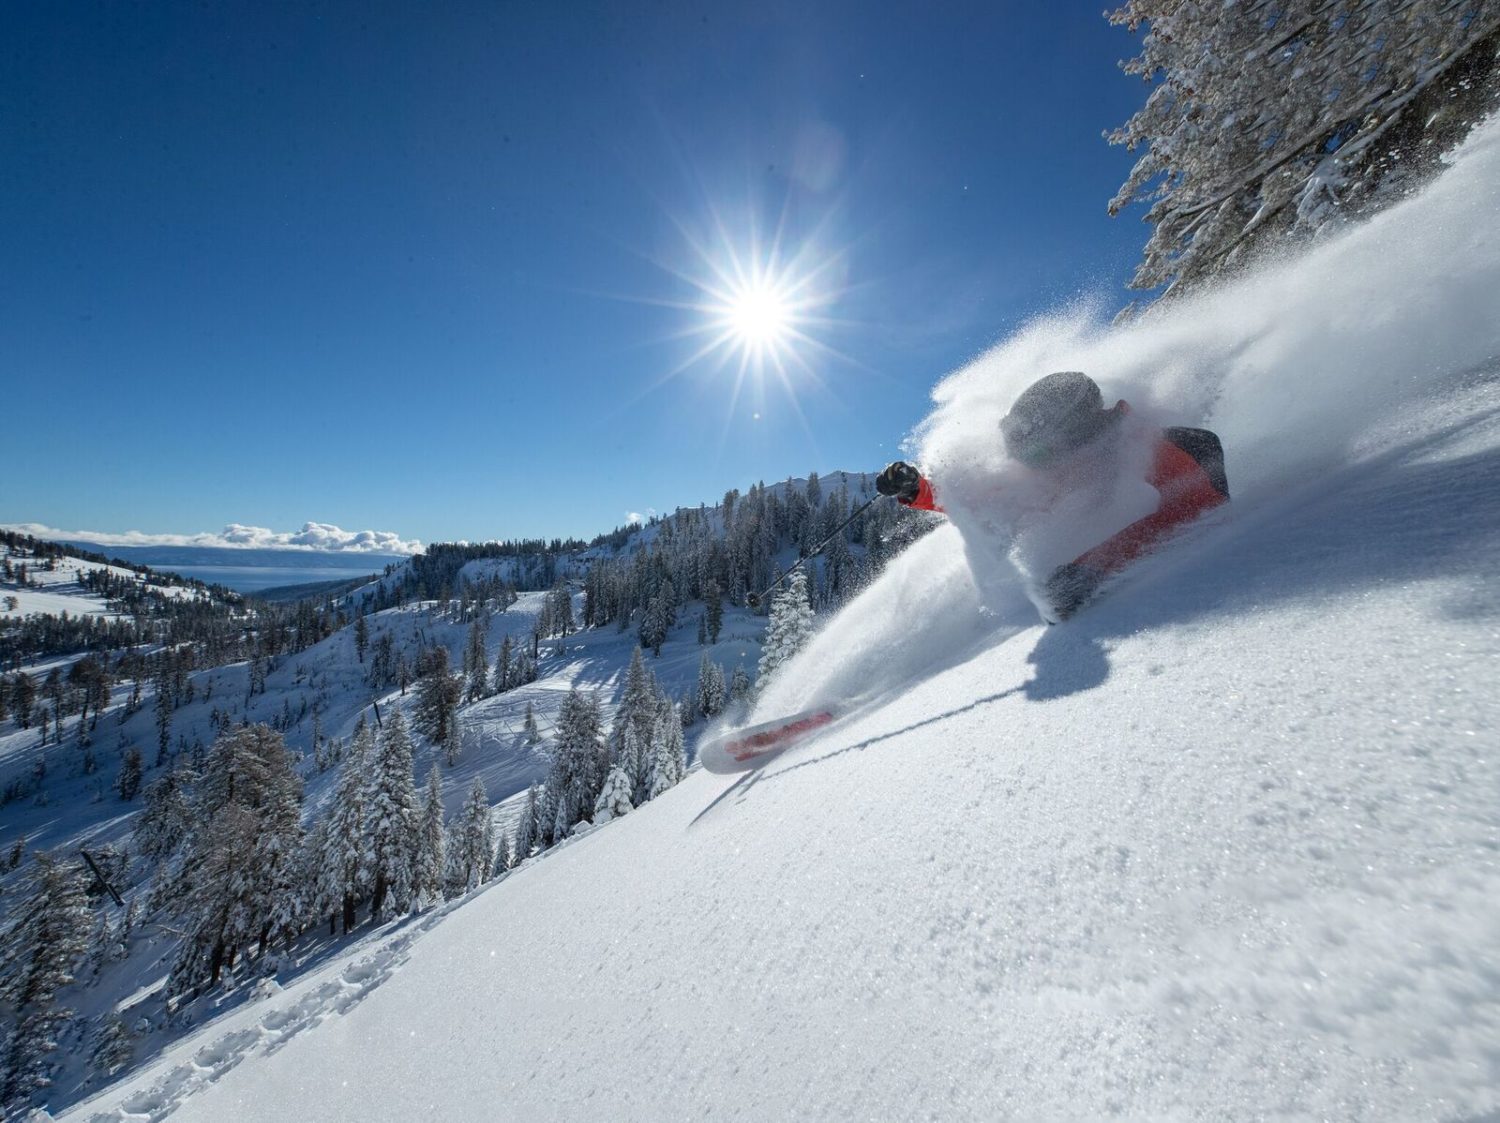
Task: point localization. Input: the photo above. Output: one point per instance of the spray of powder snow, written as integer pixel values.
(1293, 365)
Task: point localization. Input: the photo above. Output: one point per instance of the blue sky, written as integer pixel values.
(428, 269)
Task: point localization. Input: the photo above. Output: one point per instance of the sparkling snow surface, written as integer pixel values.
(1226, 846)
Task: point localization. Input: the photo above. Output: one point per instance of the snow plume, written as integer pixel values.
(1297, 366)
(312, 536)
(1290, 364)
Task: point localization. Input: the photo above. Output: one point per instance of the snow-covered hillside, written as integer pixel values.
(57, 588)
(1226, 846)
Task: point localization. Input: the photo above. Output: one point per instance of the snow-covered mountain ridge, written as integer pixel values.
(1226, 845)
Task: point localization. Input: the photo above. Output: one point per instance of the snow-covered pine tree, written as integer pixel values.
(712, 693)
(504, 670)
(475, 840)
(668, 762)
(239, 865)
(346, 857)
(687, 706)
(546, 817)
(634, 760)
(614, 799)
(560, 610)
(476, 663)
(713, 597)
(167, 814)
(128, 782)
(634, 717)
(504, 855)
(789, 627)
(427, 884)
(533, 735)
(392, 821)
(39, 950)
(112, 1046)
(654, 624)
(526, 828)
(1268, 119)
(438, 693)
(579, 763)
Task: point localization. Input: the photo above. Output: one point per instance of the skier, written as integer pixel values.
(1053, 421)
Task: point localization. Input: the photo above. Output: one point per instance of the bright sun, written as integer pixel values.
(760, 308)
(760, 316)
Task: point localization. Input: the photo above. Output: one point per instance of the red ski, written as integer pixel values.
(737, 750)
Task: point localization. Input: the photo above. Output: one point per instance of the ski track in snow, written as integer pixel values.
(1225, 846)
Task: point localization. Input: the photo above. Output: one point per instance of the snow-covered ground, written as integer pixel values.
(61, 589)
(1225, 846)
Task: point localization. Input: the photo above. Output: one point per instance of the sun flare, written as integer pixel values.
(760, 315)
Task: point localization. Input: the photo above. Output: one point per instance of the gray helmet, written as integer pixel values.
(1054, 417)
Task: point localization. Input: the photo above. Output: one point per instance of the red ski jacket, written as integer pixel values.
(1188, 471)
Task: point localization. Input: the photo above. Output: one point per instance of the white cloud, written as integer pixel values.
(312, 536)
(633, 517)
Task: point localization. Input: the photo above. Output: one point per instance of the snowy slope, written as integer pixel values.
(1225, 846)
(62, 591)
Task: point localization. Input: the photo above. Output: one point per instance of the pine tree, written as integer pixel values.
(346, 858)
(427, 884)
(654, 625)
(476, 663)
(167, 815)
(614, 799)
(634, 761)
(112, 1046)
(579, 762)
(789, 627)
(128, 783)
(240, 862)
(504, 672)
(533, 734)
(740, 686)
(687, 707)
(1268, 121)
(711, 690)
(526, 828)
(668, 762)
(504, 855)
(560, 616)
(22, 698)
(635, 715)
(714, 610)
(475, 842)
(546, 817)
(438, 694)
(163, 723)
(39, 951)
(392, 829)
(361, 636)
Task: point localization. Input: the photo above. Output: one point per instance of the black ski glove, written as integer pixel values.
(1070, 587)
(899, 479)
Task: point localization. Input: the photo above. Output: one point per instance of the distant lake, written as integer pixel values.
(249, 570)
(253, 578)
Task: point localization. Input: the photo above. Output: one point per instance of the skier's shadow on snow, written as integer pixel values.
(1067, 661)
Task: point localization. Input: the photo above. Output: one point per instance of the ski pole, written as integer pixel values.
(754, 599)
